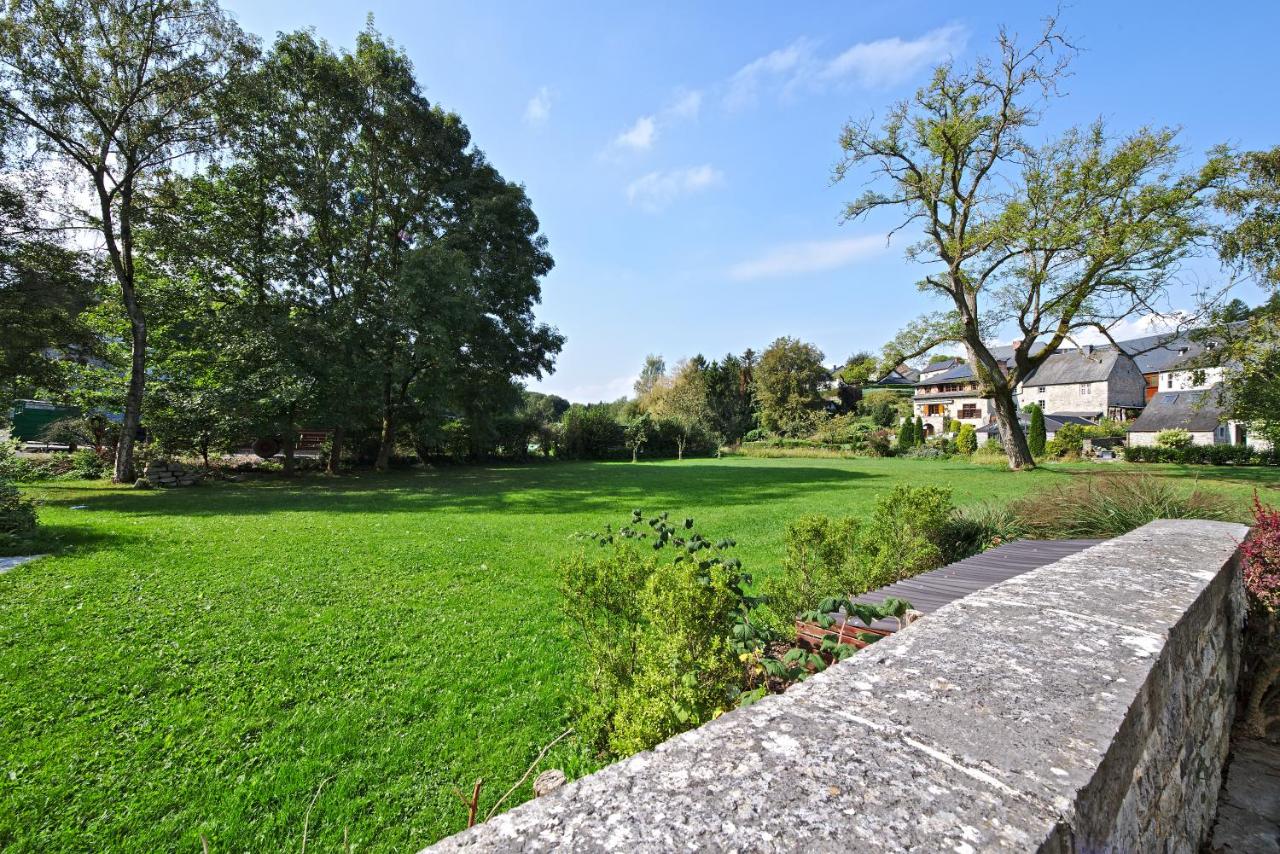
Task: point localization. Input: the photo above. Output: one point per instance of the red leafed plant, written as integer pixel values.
(1261, 557)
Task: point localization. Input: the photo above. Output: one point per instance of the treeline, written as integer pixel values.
(782, 394)
(296, 239)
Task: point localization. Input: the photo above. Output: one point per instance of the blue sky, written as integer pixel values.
(679, 154)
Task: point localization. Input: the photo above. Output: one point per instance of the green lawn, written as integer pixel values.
(201, 661)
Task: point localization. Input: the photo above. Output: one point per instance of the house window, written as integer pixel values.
(1040, 403)
(1170, 381)
(969, 410)
(1086, 388)
(1040, 390)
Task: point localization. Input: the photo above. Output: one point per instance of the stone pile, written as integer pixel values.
(167, 473)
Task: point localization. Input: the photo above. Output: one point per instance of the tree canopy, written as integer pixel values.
(1049, 240)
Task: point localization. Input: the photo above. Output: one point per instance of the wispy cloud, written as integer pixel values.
(812, 256)
(888, 62)
(639, 136)
(869, 65)
(538, 110)
(685, 106)
(656, 190)
(781, 66)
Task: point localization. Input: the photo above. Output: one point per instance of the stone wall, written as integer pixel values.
(1084, 706)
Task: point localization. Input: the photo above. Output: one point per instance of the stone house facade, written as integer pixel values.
(1092, 383)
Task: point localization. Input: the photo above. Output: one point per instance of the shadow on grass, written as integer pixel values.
(66, 539)
(545, 489)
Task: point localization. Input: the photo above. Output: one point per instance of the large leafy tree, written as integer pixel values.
(119, 90)
(788, 385)
(44, 291)
(1045, 240)
(360, 235)
(730, 394)
(681, 400)
(1250, 243)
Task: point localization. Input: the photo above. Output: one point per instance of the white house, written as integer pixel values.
(952, 393)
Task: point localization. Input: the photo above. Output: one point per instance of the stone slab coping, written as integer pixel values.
(976, 728)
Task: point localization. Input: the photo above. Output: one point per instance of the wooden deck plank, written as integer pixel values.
(930, 591)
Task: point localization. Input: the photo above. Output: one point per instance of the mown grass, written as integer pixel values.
(198, 662)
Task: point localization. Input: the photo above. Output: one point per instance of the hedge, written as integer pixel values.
(1214, 455)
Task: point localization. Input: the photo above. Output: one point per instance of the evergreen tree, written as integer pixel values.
(906, 434)
(919, 430)
(1036, 437)
(966, 439)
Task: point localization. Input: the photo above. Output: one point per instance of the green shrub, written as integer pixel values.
(903, 536)
(1218, 455)
(816, 564)
(906, 434)
(686, 670)
(966, 439)
(86, 465)
(12, 466)
(17, 515)
(930, 452)
(1176, 438)
(1036, 432)
(977, 527)
(1068, 441)
(661, 618)
(990, 451)
(1110, 505)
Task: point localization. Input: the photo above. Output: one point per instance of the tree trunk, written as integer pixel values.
(204, 450)
(335, 450)
(635, 449)
(679, 449)
(387, 444)
(133, 397)
(1011, 435)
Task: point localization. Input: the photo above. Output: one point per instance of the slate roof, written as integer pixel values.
(1198, 411)
(1052, 423)
(1075, 366)
(1155, 353)
(945, 364)
(959, 372)
(899, 376)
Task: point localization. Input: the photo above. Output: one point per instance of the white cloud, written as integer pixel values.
(813, 256)
(538, 110)
(785, 64)
(869, 65)
(888, 62)
(656, 190)
(639, 136)
(686, 105)
(1137, 327)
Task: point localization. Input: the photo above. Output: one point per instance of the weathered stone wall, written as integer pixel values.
(1084, 706)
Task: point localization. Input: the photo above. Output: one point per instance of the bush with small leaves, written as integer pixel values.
(966, 439)
(1176, 438)
(1260, 554)
(17, 516)
(665, 630)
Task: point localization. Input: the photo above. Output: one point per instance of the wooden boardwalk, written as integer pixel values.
(929, 591)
